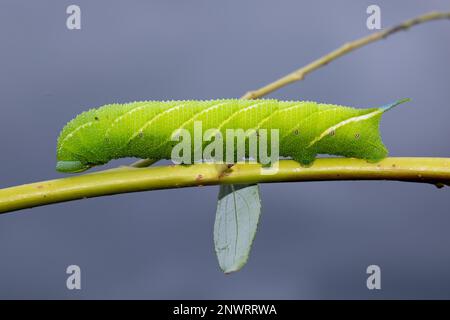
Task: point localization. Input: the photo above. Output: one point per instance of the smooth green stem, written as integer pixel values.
(129, 179)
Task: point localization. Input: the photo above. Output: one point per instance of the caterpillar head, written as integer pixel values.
(69, 161)
(72, 157)
(78, 146)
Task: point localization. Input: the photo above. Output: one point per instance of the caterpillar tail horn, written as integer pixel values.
(394, 104)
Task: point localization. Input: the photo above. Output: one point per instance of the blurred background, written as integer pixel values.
(315, 239)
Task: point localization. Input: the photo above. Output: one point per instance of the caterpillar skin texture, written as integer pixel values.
(144, 129)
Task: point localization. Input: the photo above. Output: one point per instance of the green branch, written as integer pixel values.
(129, 179)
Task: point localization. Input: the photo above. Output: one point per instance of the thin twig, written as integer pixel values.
(300, 74)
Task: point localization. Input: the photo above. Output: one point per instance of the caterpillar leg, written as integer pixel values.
(305, 159)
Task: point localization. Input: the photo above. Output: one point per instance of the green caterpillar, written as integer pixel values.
(145, 129)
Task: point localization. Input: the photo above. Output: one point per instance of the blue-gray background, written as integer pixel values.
(315, 239)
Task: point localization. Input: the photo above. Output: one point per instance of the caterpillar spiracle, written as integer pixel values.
(145, 129)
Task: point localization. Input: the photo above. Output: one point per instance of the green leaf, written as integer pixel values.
(237, 217)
